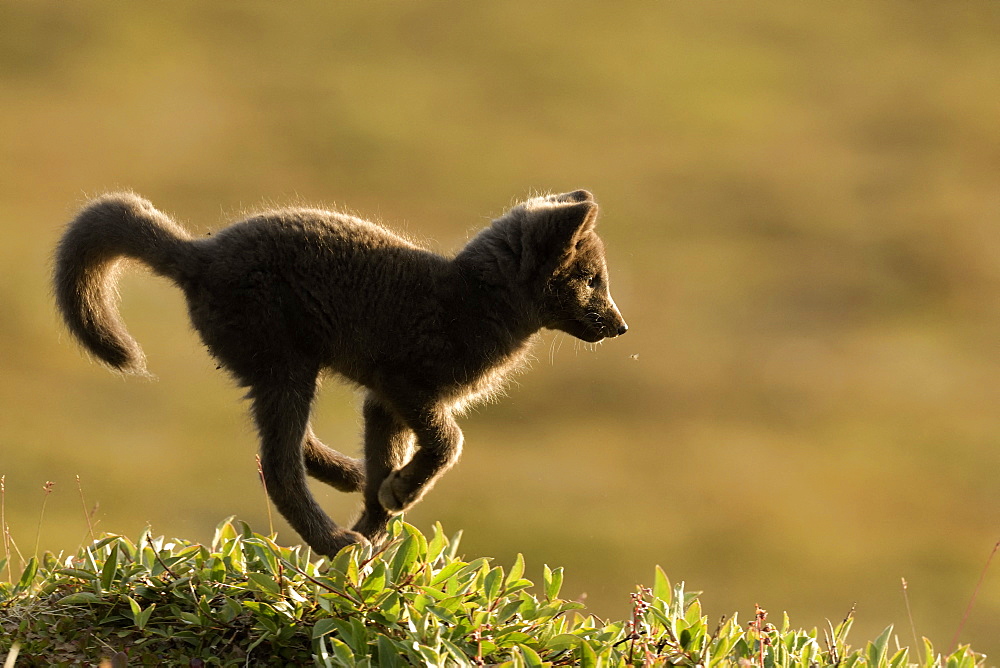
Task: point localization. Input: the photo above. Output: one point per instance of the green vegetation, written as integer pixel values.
(245, 600)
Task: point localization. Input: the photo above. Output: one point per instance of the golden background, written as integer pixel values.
(801, 203)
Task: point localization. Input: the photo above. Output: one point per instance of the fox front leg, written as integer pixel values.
(388, 446)
(439, 444)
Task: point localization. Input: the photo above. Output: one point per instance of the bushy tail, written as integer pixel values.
(89, 258)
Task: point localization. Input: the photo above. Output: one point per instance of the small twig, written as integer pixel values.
(86, 515)
(831, 646)
(47, 488)
(267, 497)
(281, 579)
(762, 628)
(149, 541)
(975, 592)
(323, 585)
(913, 627)
(3, 525)
(832, 638)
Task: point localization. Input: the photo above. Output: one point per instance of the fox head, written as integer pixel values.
(548, 247)
(577, 291)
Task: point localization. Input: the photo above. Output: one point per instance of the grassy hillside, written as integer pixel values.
(246, 600)
(800, 204)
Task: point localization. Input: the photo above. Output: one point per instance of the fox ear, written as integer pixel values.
(569, 222)
(575, 196)
(553, 234)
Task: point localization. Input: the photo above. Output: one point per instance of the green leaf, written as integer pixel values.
(898, 659)
(142, 618)
(928, 652)
(374, 584)
(457, 653)
(492, 583)
(245, 529)
(443, 614)
(345, 566)
(265, 551)
(413, 546)
(447, 572)
(508, 610)
(110, 568)
(553, 581)
(531, 658)
(437, 544)
(405, 557)
(391, 607)
(189, 617)
(224, 533)
(563, 641)
(28, 575)
(517, 585)
(134, 606)
(264, 582)
(661, 586)
(358, 637)
(470, 569)
(586, 655)
(516, 571)
(388, 653)
(268, 623)
(230, 610)
(877, 648)
(453, 542)
(80, 598)
(341, 652)
(323, 627)
(77, 573)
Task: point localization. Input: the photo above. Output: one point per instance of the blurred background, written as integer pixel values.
(800, 203)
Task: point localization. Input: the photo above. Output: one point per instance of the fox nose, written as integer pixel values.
(622, 328)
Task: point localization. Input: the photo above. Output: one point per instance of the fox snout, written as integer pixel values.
(615, 324)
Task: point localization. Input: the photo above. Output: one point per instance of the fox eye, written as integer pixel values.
(593, 281)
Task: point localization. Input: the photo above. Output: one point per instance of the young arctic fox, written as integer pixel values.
(286, 295)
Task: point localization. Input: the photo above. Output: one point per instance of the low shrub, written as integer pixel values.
(244, 600)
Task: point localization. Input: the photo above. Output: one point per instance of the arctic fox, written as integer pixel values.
(284, 296)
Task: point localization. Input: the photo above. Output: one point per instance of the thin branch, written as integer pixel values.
(975, 592)
(86, 515)
(267, 497)
(913, 627)
(149, 541)
(47, 488)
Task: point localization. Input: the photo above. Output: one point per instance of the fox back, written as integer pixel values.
(284, 296)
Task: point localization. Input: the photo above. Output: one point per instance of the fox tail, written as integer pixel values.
(89, 258)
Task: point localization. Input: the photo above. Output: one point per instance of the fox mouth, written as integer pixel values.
(610, 327)
(591, 327)
(597, 330)
(593, 337)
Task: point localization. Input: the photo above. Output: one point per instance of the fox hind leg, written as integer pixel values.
(280, 410)
(335, 469)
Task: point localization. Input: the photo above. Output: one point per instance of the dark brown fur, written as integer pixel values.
(284, 296)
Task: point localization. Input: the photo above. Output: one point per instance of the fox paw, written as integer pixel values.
(372, 526)
(338, 540)
(395, 494)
